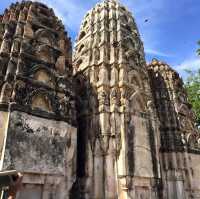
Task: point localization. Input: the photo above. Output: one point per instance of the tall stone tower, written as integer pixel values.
(38, 124)
(118, 136)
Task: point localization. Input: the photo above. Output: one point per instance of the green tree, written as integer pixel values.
(192, 86)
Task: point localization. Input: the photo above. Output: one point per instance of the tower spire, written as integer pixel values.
(112, 59)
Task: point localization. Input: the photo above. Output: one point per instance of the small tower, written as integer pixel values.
(178, 134)
(117, 119)
(38, 123)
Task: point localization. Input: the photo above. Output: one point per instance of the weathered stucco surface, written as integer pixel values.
(4, 117)
(39, 145)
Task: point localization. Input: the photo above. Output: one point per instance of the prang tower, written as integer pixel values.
(118, 137)
(179, 137)
(37, 113)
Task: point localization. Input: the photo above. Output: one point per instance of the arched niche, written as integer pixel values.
(82, 34)
(41, 101)
(79, 63)
(45, 36)
(85, 23)
(44, 53)
(44, 76)
(6, 93)
(184, 110)
(61, 64)
(81, 48)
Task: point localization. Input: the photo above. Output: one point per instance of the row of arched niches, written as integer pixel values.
(35, 61)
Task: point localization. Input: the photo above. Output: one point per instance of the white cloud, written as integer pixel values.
(156, 52)
(154, 11)
(189, 64)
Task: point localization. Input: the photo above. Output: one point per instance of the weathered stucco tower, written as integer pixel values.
(37, 130)
(179, 137)
(116, 113)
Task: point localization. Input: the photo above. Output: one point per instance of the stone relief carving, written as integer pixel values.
(115, 97)
(36, 74)
(103, 98)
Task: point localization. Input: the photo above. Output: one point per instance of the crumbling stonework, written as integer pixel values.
(178, 134)
(107, 126)
(38, 134)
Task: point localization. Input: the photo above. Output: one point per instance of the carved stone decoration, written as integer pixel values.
(177, 121)
(6, 93)
(107, 126)
(115, 97)
(60, 64)
(46, 37)
(65, 105)
(42, 102)
(103, 76)
(103, 98)
(114, 70)
(36, 59)
(44, 53)
(5, 46)
(37, 101)
(19, 93)
(172, 89)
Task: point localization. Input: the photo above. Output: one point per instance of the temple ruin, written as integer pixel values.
(98, 123)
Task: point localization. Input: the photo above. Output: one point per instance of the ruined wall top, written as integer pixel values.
(40, 17)
(172, 80)
(36, 62)
(168, 88)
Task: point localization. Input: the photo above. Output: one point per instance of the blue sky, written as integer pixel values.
(171, 34)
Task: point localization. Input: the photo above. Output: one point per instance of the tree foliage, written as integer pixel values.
(192, 86)
(198, 50)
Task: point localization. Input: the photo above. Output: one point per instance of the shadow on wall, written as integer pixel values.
(169, 124)
(88, 128)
